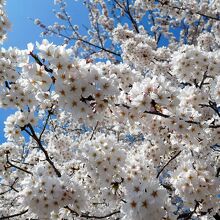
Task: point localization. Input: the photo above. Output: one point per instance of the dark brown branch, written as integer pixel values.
(11, 187)
(84, 41)
(207, 16)
(101, 48)
(218, 172)
(157, 113)
(34, 136)
(7, 85)
(93, 132)
(134, 23)
(203, 79)
(87, 216)
(216, 216)
(36, 58)
(46, 123)
(214, 106)
(184, 9)
(187, 216)
(171, 159)
(15, 166)
(19, 162)
(128, 12)
(67, 16)
(214, 126)
(153, 23)
(168, 116)
(14, 215)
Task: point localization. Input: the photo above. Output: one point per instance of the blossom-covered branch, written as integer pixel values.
(122, 122)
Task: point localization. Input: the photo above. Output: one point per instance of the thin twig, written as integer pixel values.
(218, 172)
(46, 123)
(187, 216)
(14, 215)
(184, 9)
(34, 136)
(11, 187)
(171, 159)
(17, 167)
(203, 79)
(169, 116)
(87, 216)
(36, 58)
(128, 12)
(93, 132)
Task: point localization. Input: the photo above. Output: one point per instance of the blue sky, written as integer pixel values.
(24, 31)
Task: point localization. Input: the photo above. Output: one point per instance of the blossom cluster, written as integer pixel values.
(106, 168)
(104, 159)
(146, 198)
(4, 22)
(194, 64)
(136, 48)
(44, 194)
(133, 137)
(193, 183)
(15, 123)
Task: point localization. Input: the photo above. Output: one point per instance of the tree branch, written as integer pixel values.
(38, 61)
(87, 216)
(14, 215)
(187, 216)
(34, 136)
(183, 9)
(93, 132)
(15, 166)
(171, 159)
(11, 187)
(46, 123)
(128, 12)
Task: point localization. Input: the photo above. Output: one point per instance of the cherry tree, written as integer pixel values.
(122, 123)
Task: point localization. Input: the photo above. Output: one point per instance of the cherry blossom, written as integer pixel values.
(121, 123)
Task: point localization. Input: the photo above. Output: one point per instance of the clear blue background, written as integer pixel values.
(23, 30)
